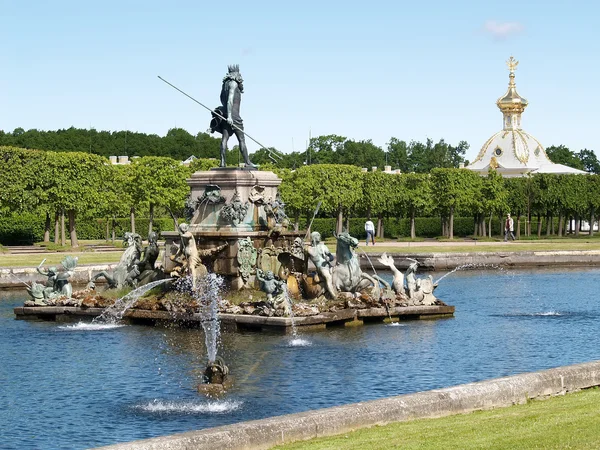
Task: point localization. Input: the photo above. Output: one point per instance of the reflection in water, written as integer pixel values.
(94, 388)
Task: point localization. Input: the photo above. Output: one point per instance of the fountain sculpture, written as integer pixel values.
(57, 284)
(237, 234)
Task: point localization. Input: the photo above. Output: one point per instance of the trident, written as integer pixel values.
(272, 154)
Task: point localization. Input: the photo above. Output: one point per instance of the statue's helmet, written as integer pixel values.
(315, 236)
(269, 275)
(152, 237)
(183, 227)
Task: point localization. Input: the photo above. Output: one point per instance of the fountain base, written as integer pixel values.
(217, 379)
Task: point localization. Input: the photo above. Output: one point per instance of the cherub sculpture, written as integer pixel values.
(189, 257)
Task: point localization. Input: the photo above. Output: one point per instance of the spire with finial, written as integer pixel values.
(512, 104)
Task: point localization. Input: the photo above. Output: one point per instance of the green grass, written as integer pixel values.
(481, 247)
(7, 260)
(571, 421)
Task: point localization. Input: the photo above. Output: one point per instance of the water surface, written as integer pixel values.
(81, 385)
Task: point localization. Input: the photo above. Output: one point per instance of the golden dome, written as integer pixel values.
(512, 102)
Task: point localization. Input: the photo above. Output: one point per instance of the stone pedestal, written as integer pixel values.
(211, 192)
(253, 187)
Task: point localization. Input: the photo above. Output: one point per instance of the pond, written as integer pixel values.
(70, 386)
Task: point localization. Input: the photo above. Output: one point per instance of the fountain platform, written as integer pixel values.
(244, 322)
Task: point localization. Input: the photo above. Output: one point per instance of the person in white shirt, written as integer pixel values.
(509, 228)
(370, 229)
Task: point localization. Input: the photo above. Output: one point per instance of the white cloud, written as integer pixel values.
(502, 30)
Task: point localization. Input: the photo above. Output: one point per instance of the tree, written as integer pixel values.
(494, 197)
(201, 164)
(589, 160)
(338, 187)
(562, 155)
(159, 181)
(397, 154)
(454, 189)
(76, 187)
(416, 196)
(378, 197)
(517, 198)
(361, 154)
(322, 149)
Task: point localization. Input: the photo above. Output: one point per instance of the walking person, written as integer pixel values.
(509, 228)
(370, 229)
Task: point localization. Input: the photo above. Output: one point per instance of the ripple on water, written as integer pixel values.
(85, 326)
(189, 407)
(395, 324)
(536, 314)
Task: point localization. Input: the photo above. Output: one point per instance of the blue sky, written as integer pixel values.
(368, 70)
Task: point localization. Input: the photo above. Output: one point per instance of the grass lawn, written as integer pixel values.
(571, 421)
(464, 247)
(54, 259)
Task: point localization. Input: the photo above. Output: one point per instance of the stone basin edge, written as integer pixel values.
(488, 394)
(429, 261)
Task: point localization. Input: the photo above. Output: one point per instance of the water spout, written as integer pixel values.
(115, 312)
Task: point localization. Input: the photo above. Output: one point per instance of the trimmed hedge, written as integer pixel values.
(26, 229)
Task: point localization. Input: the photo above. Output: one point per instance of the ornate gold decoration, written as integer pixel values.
(494, 163)
(512, 64)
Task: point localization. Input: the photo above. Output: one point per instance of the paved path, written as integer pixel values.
(458, 243)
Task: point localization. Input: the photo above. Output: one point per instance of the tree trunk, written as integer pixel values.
(592, 220)
(151, 218)
(490, 226)
(107, 229)
(567, 224)
(539, 230)
(561, 221)
(548, 224)
(451, 224)
(483, 227)
(132, 218)
(297, 222)
(475, 226)
(412, 224)
(56, 227)
(340, 221)
(379, 227)
(72, 230)
(47, 228)
(63, 240)
(518, 226)
(577, 224)
(113, 230)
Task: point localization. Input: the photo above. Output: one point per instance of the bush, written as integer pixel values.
(26, 229)
(21, 229)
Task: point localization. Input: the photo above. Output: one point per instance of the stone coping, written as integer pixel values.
(266, 433)
(428, 261)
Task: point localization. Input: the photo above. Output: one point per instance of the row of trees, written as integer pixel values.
(179, 144)
(346, 191)
(414, 156)
(64, 185)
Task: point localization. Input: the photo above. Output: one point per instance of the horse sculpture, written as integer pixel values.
(126, 271)
(347, 275)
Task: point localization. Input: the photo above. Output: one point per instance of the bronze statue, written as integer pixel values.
(188, 257)
(231, 96)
